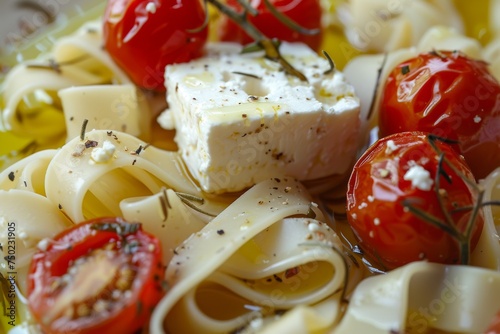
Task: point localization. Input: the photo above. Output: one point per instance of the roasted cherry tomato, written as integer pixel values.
(143, 36)
(101, 276)
(306, 13)
(401, 212)
(494, 327)
(450, 95)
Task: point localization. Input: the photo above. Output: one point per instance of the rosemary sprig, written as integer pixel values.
(463, 238)
(83, 129)
(288, 21)
(190, 200)
(164, 203)
(120, 228)
(263, 43)
(437, 187)
(55, 66)
(376, 88)
(470, 207)
(330, 62)
(431, 219)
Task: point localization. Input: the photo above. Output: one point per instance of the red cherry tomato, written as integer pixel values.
(306, 13)
(450, 95)
(101, 276)
(143, 36)
(494, 327)
(395, 178)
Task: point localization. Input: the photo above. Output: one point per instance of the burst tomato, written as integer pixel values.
(143, 36)
(306, 13)
(450, 95)
(102, 276)
(393, 186)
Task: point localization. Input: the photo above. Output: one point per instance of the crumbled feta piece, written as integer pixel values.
(419, 177)
(43, 244)
(104, 153)
(240, 119)
(390, 147)
(313, 227)
(151, 7)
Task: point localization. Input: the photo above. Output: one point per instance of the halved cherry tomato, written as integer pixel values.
(394, 185)
(306, 13)
(143, 36)
(101, 276)
(450, 95)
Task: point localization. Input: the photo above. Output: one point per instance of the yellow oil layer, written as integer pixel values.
(476, 17)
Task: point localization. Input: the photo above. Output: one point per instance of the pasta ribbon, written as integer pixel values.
(491, 54)
(165, 216)
(31, 105)
(110, 107)
(28, 173)
(83, 52)
(384, 26)
(89, 178)
(363, 73)
(27, 227)
(422, 296)
(487, 252)
(251, 262)
(447, 38)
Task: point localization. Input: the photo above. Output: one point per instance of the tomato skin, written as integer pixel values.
(143, 42)
(451, 96)
(377, 187)
(307, 13)
(128, 313)
(494, 327)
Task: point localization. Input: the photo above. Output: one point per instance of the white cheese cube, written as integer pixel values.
(240, 119)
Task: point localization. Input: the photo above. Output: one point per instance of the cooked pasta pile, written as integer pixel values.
(272, 259)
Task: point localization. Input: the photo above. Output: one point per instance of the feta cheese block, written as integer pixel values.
(240, 119)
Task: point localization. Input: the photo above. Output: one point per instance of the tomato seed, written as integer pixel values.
(82, 310)
(100, 306)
